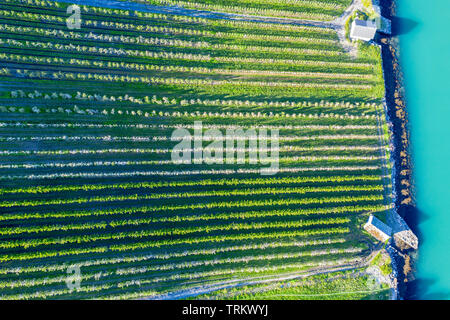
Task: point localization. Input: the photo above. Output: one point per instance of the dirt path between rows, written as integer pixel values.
(192, 292)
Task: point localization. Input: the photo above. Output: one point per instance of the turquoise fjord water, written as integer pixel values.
(425, 60)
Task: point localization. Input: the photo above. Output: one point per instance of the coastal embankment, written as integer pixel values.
(397, 118)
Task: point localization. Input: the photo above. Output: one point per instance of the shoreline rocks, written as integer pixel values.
(397, 118)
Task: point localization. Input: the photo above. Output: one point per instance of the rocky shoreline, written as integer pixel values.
(397, 118)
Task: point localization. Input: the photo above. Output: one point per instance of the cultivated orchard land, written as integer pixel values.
(321, 10)
(86, 118)
(345, 285)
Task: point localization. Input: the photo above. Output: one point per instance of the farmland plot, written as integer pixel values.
(310, 9)
(344, 285)
(88, 182)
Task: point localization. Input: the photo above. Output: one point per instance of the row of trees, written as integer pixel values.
(102, 51)
(187, 81)
(142, 126)
(195, 100)
(182, 195)
(279, 234)
(163, 173)
(298, 10)
(185, 114)
(245, 259)
(317, 61)
(42, 189)
(107, 65)
(140, 40)
(246, 26)
(173, 254)
(161, 232)
(286, 148)
(146, 209)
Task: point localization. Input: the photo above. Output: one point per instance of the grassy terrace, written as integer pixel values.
(346, 285)
(86, 118)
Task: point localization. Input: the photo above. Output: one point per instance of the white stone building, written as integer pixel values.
(363, 30)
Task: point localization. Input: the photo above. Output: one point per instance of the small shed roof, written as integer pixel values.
(363, 29)
(378, 228)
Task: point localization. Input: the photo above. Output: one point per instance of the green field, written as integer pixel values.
(346, 285)
(86, 178)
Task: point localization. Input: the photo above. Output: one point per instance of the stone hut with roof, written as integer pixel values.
(378, 229)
